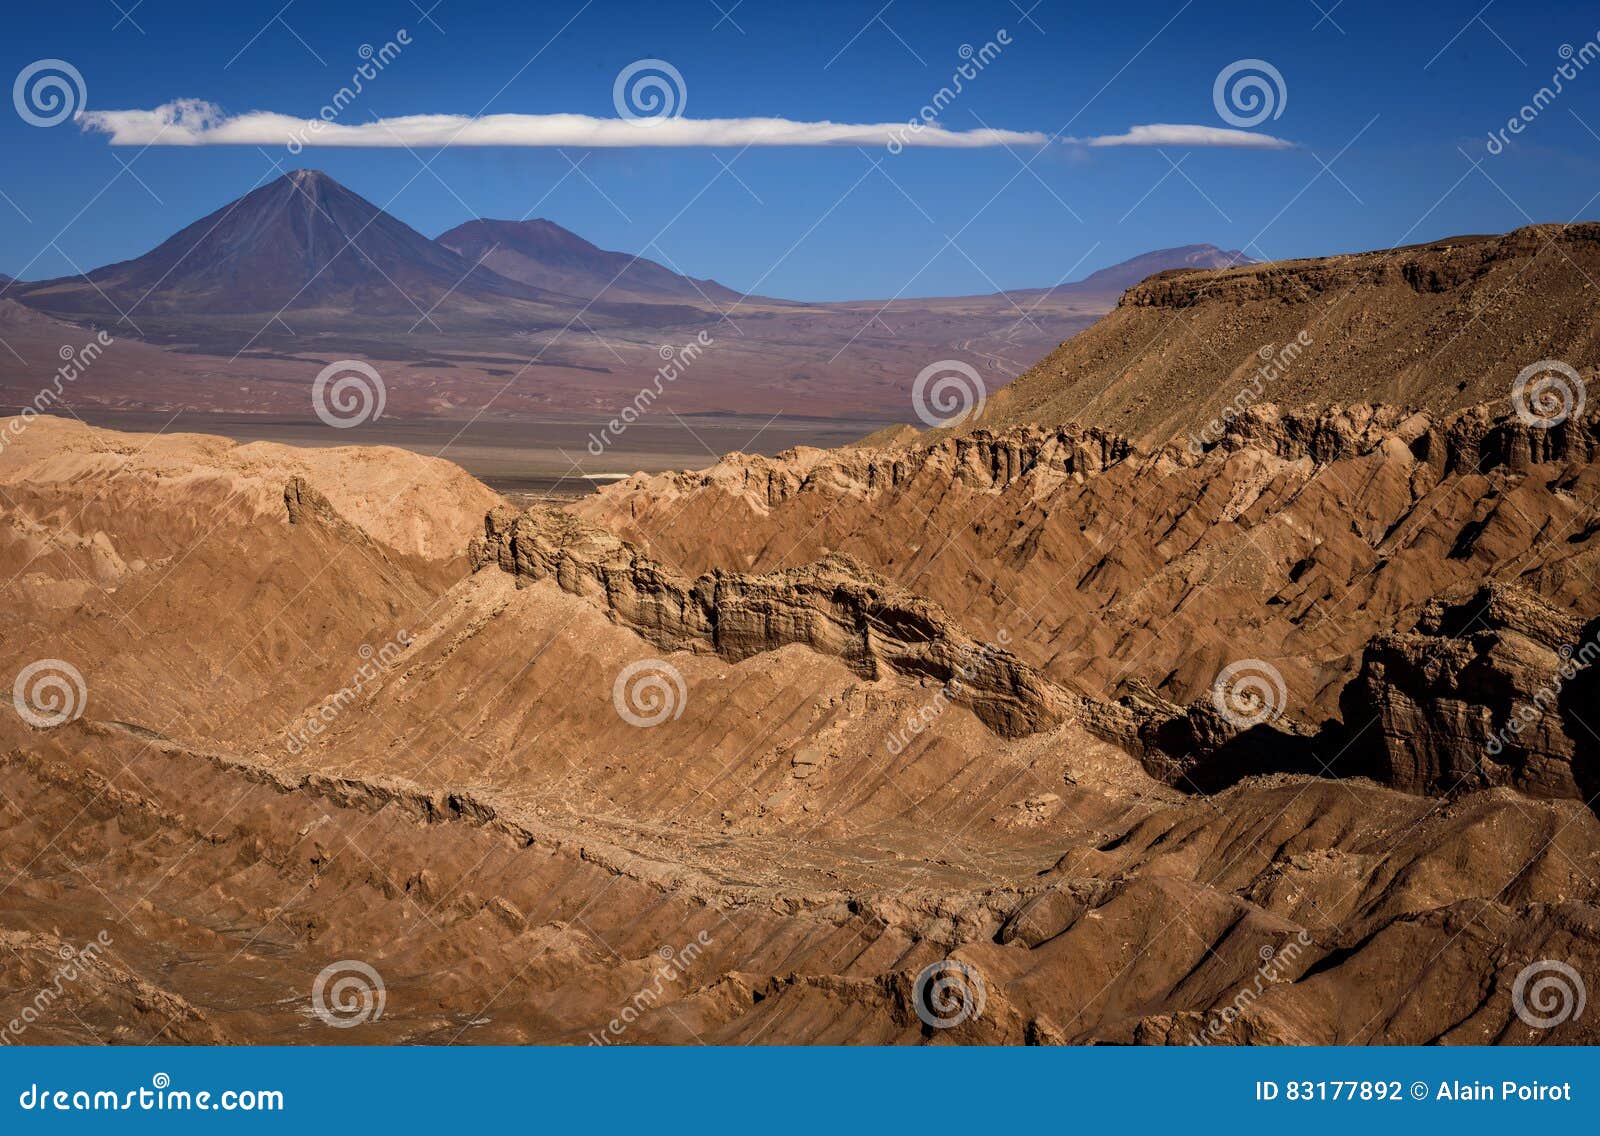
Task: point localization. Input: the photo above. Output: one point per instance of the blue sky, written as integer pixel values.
(1390, 94)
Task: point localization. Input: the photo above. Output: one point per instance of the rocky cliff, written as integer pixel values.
(1492, 688)
(835, 607)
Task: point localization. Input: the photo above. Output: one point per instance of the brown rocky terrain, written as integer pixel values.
(1116, 569)
(1491, 689)
(1285, 738)
(1436, 327)
(474, 818)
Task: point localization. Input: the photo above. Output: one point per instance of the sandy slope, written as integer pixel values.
(1437, 327)
(415, 505)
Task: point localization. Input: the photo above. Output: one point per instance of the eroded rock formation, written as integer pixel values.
(950, 699)
(835, 607)
(1491, 688)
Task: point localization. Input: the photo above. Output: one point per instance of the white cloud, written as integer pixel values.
(191, 122)
(1178, 134)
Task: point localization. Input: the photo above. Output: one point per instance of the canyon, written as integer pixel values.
(1126, 730)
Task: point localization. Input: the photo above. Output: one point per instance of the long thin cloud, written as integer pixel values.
(1178, 134)
(192, 122)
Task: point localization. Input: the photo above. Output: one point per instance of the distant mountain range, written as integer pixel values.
(1106, 285)
(1118, 278)
(543, 254)
(303, 242)
(306, 244)
(239, 311)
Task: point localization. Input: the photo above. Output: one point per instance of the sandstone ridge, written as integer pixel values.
(834, 606)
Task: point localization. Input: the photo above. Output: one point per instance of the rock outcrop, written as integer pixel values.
(1294, 539)
(984, 461)
(835, 607)
(1490, 689)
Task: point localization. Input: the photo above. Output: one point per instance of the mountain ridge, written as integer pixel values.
(1438, 326)
(302, 241)
(544, 254)
(1126, 273)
